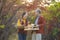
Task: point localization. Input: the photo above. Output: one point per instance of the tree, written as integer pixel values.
(7, 13)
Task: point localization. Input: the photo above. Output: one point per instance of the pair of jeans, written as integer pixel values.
(37, 36)
(21, 36)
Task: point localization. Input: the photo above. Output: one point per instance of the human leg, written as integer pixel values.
(38, 36)
(20, 36)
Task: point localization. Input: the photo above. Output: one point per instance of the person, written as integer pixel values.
(21, 32)
(41, 22)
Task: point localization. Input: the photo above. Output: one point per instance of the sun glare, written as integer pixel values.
(57, 0)
(29, 1)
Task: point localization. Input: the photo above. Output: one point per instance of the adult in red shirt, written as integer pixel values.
(41, 22)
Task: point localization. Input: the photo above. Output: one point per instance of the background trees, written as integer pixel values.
(10, 10)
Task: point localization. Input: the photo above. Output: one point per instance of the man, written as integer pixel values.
(41, 22)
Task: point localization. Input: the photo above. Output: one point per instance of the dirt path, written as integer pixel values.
(14, 36)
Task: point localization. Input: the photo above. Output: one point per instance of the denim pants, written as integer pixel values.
(21, 36)
(37, 36)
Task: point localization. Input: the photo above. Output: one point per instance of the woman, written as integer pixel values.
(21, 32)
